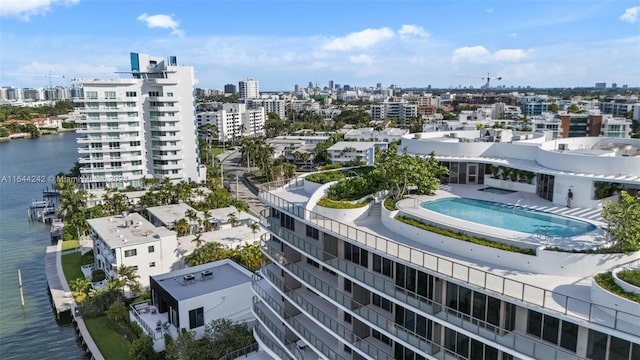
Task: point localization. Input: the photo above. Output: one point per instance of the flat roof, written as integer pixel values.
(358, 145)
(118, 231)
(224, 274)
(168, 214)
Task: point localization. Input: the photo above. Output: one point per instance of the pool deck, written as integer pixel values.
(589, 240)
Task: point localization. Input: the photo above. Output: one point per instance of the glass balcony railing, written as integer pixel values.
(566, 305)
(345, 333)
(444, 315)
(294, 324)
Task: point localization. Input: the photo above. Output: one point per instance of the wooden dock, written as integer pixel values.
(60, 293)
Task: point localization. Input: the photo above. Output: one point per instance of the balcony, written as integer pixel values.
(497, 285)
(520, 344)
(270, 312)
(325, 313)
(153, 323)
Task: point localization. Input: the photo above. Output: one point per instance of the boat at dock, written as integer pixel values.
(45, 210)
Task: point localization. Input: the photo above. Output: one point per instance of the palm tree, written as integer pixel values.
(181, 227)
(128, 278)
(198, 240)
(233, 219)
(206, 222)
(79, 289)
(254, 229)
(192, 216)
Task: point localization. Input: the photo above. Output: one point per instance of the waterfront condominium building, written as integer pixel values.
(248, 89)
(139, 127)
(372, 283)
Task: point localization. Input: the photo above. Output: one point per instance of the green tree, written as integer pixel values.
(623, 218)
(208, 252)
(142, 348)
(181, 227)
(128, 278)
(117, 313)
(80, 289)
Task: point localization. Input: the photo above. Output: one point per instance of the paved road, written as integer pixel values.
(232, 170)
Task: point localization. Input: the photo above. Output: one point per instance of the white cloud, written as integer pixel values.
(470, 53)
(27, 8)
(162, 21)
(489, 10)
(480, 54)
(513, 34)
(412, 30)
(361, 59)
(509, 55)
(359, 40)
(631, 15)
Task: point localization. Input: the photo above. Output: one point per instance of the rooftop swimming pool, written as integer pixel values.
(509, 217)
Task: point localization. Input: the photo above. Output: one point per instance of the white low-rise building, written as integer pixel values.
(191, 298)
(131, 240)
(371, 134)
(344, 152)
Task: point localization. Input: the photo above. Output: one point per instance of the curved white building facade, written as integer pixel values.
(375, 288)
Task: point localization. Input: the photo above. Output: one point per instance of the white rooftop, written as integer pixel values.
(168, 214)
(119, 231)
(357, 145)
(206, 278)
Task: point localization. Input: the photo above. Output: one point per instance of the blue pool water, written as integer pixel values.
(506, 217)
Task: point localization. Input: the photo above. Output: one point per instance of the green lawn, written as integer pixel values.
(111, 344)
(70, 244)
(71, 266)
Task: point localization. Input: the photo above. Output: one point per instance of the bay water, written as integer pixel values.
(27, 167)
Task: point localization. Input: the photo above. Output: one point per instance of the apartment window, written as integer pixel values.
(130, 104)
(169, 94)
(92, 105)
(134, 268)
(356, 255)
(287, 222)
(92, 94)
(109, 94)
(154, 93)
(312, 232)
(553, 330)
(152, 264)
(382, 265)
(130, 253)
(151, 249)
(132, 114)
(131, 94)
(381, 302)
(196, 318)
(134, 143)
(347, 285)
(313, 263)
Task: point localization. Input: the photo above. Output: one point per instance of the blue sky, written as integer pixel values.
(410, 43)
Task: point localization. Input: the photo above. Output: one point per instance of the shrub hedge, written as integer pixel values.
(630, 276)
(605, 280)
(465, 237)
(328, 203)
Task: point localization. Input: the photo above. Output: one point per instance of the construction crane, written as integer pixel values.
(48, 75)
(488, 80)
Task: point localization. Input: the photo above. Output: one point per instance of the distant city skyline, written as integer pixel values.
(360, 43)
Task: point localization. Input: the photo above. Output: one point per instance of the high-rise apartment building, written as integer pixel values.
(230, 89)
(232, 122)
(143, 126)
(367, 284)
(248, 89)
